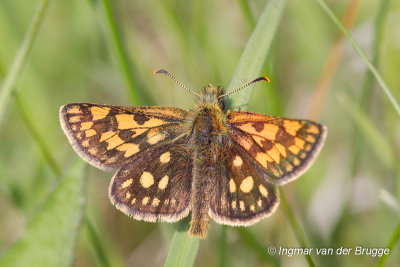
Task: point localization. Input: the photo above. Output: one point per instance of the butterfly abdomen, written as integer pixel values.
(207, 132)
(201, 137)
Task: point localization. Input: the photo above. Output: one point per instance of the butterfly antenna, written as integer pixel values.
(173, 78)
(264, 78)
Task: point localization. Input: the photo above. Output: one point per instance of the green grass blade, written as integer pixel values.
(296, 227)
(39, 140)
(20, 60)
(355, 45)
(378, 39)
(183, 248)
(257, 247)
(368, 84)
(115, 38)
(256, 51)
(222, 247)
(96, 244)
(273, 97)
(374, 138)
(245, 8)
(393, 240)
(51, 236)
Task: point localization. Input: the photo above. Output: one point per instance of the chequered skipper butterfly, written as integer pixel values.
(219, 164)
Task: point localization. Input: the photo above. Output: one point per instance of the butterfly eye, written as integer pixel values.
(221, 104)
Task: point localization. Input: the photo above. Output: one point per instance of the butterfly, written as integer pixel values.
(219, 164)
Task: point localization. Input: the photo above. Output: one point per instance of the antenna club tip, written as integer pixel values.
(158, 71)
(266, 79)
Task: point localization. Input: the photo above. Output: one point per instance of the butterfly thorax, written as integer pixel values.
(208, 114)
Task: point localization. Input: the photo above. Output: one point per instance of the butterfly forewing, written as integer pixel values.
(283, 148)
(156, 185)
(241, 195)
(109, 136)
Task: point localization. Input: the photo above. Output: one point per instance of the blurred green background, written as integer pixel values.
(349, 197)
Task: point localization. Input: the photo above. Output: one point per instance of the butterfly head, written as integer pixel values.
(211, 96)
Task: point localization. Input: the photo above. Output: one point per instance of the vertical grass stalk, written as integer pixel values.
(296, 227)
(115, 38)
(393, 240)
(19, 62)
(358, 49)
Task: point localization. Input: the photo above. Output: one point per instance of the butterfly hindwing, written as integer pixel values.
(156, 185)
(283, 148)
(109, 136)
(242, 196)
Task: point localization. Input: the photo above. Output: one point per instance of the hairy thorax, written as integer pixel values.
(207, 122)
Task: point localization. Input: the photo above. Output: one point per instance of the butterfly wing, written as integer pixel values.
(241, 195)
(282, 148)
(109, 136)
(156, 185)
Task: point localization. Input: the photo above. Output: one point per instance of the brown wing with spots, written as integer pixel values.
(241, 195)
(156, 185)
(282, 148)
(109, 136)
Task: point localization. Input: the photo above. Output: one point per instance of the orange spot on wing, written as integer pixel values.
(74, 109)
(247, 184)
(106, 135)
(291, 127)
(263, 191)
(311, 139)
(86, 125)
(268, 132)
(130, 149)
(90, 132)
(74, 119)
(138, 132)
(125, 121)
(258, 140)
(263, 159)
(299, 142)
(313, 129)
(294, 149)
(275, 171)
(281, 149)
(154, 122)
(296, 162)
(153, 139)
(99, 113)
(274, 154)
(245, 143)
(114, 142)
